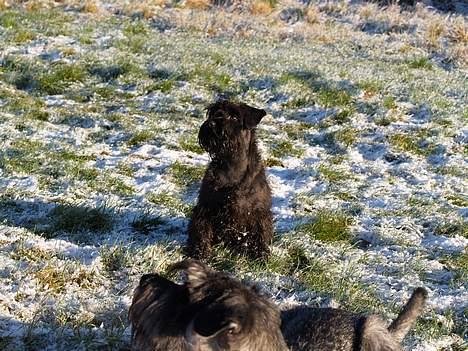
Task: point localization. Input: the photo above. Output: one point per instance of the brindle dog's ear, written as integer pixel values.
(196, 272)
(252, 116)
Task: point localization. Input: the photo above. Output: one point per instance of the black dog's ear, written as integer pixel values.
(212, 321)
(196, 272)
(252, 116)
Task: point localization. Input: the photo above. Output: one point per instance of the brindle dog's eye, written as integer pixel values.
(233, 330)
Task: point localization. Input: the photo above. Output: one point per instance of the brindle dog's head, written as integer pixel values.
(218, 313)
(232, 316)
(229, 128)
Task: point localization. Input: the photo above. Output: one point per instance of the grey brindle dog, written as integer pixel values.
(212, 311)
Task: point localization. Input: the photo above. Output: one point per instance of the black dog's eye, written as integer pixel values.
(234, 117)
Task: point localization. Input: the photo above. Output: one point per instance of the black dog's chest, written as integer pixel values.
(228, 201)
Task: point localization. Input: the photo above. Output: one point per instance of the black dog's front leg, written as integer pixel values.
(200, 234)
(261, 235)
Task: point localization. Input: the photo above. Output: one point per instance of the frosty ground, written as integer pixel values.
(365, 144)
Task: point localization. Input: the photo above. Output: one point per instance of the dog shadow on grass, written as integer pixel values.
(107, 330)
(87, 225)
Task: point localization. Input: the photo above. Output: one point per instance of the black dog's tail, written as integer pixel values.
(407, 317)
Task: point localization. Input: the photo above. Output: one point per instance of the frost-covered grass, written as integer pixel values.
(365, 145)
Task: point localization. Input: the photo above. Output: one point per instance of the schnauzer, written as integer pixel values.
(209, 312)
(234, 203)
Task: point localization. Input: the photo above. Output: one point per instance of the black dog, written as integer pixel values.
(234, 203)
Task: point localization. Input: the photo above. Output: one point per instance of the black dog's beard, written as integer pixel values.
(216, 141)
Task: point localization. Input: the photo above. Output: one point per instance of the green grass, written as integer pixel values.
(333, 174)
(389, 102)
(411, 143)
(53, 79)
(326, 278)
(26, 156)
(459, 200)
(190, 144)
(371, 85)
(212, 78)
(145, 223)
(299, 102)
(136, 28)
(343, 116)
(453, 228)
(141, 137)
(432, 326)
(51, 22)
(383, 121)
(164, 86)
(345, 136)
(454, 171)
(170, 201)
(328, 226)
(297, 130)
(312, 90)
(108, 183)
(273, 162)
(58, 78)
(333, 97)
(83, 173)
(23, 156)
(184, 175)
(125, 169)
(55, 278)
(24, 36)
(19, 102)
(303, 78)
(285, 148)
(420, 63)
(114, 258)
(40, 115)
(459, 265)
(75, 218)
(31, 253)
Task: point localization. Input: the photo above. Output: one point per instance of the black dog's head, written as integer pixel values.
(229, 127)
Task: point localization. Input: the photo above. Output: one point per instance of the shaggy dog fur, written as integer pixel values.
(328, 329)
(211, 311)
(234, 203)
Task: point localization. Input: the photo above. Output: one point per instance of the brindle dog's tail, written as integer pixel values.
(407, 317)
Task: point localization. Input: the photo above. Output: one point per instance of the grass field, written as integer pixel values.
(365, 144)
